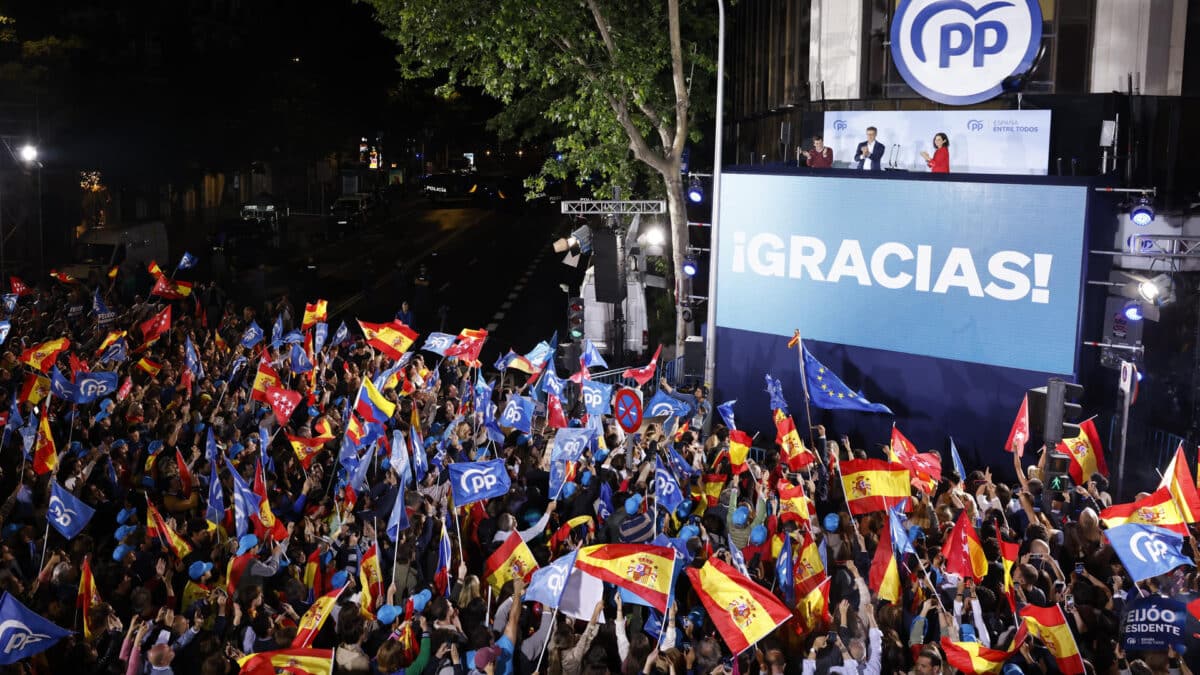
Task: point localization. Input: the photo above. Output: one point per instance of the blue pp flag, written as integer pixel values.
(475, 481)
(597, 397)
(569, 444)
(10, 303)
(95, 385)
(299, 360)
(5, 327)
(775, 391)
(191, 359)
(100, 310)
(438, 343)
(399, 519)
(662, 405)
(548, 583)
(252, 335)
(23, 633)
(604, 505)
(320, 334)
(210, 446)
(245, 502)
(342, 334)
(277, 332)
(67, 513)
(900, 541)
(214, 512)
(726, 410)
(666, 489)
(958, 464)
(518, 414)
(540, 354)
(420, 459)
(294, 337)
(118, 351)
(558, 478)
(187, 262)
(591, 356)
(61, 387)
(14, 414)
(1147, 551)
(827, 391)
(785, 573)
(680, 467)
(399, 458)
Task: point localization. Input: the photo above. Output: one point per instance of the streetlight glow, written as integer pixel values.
(29, 153)
(655, 236)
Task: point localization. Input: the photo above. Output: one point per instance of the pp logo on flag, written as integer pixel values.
(591, 398)
(59, 513)
(512, 415)
(664, 485)
(16, 636)
(1148, 548)
(477, 480)
(660, 409)
(556, 580)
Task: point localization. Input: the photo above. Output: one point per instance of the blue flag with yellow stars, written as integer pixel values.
(826, 390)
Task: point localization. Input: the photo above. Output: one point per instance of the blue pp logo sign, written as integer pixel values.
(839, 125)
(974, 125)
(958, 52)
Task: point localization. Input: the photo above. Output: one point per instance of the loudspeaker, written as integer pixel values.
(606, 265)
(693, 356)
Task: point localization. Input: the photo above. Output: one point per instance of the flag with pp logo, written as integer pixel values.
(548, 583)
(1147, 551)
(518, 414)
(96, 385)
(597, 397)
(569, 444)
(475, 481)
(438, 343)
(666, 488)
(24, 633)
(66, 512)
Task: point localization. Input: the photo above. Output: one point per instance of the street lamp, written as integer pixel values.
(29, 153)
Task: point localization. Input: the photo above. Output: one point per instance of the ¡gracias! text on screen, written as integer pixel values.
(1007, 275)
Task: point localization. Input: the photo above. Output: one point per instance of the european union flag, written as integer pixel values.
(548, 583)
(680, 467)
(438, 343)
(66, 512)
(775, 391)
(187, 262)
(191, 358)
(95, 385)
(474, 481)
(726, 410)
(1147, 551)
(826, 390)
(253, 334)
(23, 633)
(591, 356)
(666, 488)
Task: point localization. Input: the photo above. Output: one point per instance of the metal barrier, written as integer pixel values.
(671, 370)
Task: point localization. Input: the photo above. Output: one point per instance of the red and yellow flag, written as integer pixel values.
(1157, 509)
(314, 618)
(45, 453)
(813, 608)
(873, 484)
(513, 560)
(742, 611)
(112, 274)
(265, 378)
(1049, 625)
(305, 448)
(294, 661)
(154, 269)
(1010, 551)
(370, 577)
(713, 484)
(185, 476)
(1087, 455)
(176, 543)
(392, 338)
(739, 449)
(314, 313)
(1178, 481)
(793, 503)
(884, 576)
(791, 447)
(314, 577)
(644, 570)
(34, 388)
(963, 552)
(41, 357)
(810, 570)
(63, 277)
(148, 366)
(973, 658)
(112, 337)
(88, 597)
(170, 289)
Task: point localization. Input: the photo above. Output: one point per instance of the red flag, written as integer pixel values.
(925, 469)
(555, 418)
(1019, 436)
(170, 289)
(963, 552)
(185, 476)
(19, 287)
(154, 327)
(126, 387)
(645, 373)
(283, 403)
(469, 344)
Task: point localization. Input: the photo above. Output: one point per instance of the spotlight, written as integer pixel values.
(29, 153)
(1133, 311)
(1148, 290)
(1143, 213)
(695, 191)
(689, 266)
(655, 236)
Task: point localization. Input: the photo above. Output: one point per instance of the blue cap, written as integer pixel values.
(124, 515)
(568, 490)
(385, 463)
(122, 551)
(684, 508)
(1011, 669)
(832, 522)
(199, 569)
(235, 449)
(120, 443)
(585, 478)
(154, 447)
(696, 615)
(340, 578)
(124, 531)
(968, 633)
(632, 504)
(313, 412)
(387, 614)
(246, 542)
(601, 454)
(523, 439)
(11, 529)
(758, 535)
(688, 531)
(421, 599)
(741, 516)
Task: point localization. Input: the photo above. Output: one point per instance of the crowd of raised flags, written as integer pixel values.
(364, 501)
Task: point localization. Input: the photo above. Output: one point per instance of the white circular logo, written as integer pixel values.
(59, 512)
(1148, 548)
(958, 52)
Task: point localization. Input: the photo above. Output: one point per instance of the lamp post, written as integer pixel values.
(710, 354)
(27, 155)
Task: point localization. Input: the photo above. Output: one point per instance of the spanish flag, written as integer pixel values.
(925, 469)
(155, 270)
(150, 367)
(34, 388)
(271, 526)
(314, 577)
(1178, 480)
(322, 430)
(644, 570)
(739, 449)
(873, 484)
(63, 277)
(220, 341)
(560, 535)
(1158, 509)
(294, 661)
(513, 560)
(370, 577)
(45, 454)
(791, 448)
(41, 357)
(314, 618)
(742, 611)
(1049, 625)
(177, 544)
(265, 378)
(109, 339)
(962, 550)
(813, 608)
(810, 570)
(1087, 455)
(884, 576)
(305, 448)
(973, 658)
(793, 504)
(713, 484)
(392, 338)
(1010, 552)
(314, 313)
(112, 274)
(88, 597)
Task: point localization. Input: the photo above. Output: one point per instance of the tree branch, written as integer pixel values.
(681, 92)
(606, 35)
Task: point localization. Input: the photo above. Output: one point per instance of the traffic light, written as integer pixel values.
(1062, 410)
(575, 308)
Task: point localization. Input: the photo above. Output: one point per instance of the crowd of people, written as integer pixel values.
(181, 575)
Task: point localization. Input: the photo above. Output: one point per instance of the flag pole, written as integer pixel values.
(458, 532)
(45, 543)
(553, 627)
(804, 381)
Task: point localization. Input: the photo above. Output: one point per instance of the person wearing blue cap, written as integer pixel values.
(247, 570)
(637, 527)
(197, 587)
(739, 522)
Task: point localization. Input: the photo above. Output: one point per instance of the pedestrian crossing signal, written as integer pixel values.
(575, 309)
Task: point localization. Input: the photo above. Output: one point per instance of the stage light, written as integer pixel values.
(1133, 311)
(29, 153)
(695, 191)
(690, 267)
(1143, 213)
(655, 236)
(1148, 290)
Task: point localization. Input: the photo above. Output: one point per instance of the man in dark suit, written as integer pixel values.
(870, 153)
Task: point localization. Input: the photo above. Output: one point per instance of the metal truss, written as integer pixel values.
(613, 208)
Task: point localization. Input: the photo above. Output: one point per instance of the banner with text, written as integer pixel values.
(982, 272)
(981, 141)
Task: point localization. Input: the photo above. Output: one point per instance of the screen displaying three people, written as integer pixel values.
(868, 156)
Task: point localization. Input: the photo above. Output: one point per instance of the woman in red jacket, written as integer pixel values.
(940, 161)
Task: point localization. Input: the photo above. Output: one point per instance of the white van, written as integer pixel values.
(100, 249)
(599, 324)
